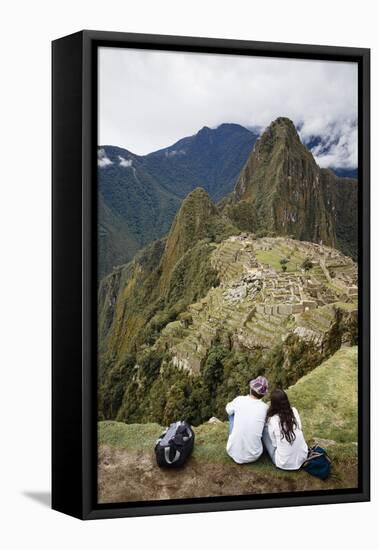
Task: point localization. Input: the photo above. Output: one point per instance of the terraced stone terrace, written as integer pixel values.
(257, 304)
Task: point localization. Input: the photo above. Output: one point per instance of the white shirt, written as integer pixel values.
(245, 441)
(287, 456)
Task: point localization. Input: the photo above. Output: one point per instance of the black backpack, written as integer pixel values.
(174, 445)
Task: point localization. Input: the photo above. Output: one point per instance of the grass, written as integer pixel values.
(346, 306)
(296, 257)
(327, 398)
(327, 402)
(128, 436)
(278, 251)
(318, 319)
(273, 257)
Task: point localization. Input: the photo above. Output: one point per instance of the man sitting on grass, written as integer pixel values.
(247, 417)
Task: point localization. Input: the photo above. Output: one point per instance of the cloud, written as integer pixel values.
(174, 152)
(334, 145)
(337, 146)
(127, 163)
(102, 159)
(149, 99)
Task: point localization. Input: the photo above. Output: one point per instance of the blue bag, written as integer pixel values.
(318, 463)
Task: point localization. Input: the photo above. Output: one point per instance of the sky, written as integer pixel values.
(148, 100)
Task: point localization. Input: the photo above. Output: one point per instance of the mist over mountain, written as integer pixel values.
(335, 151)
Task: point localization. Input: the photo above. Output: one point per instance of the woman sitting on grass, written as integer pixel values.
(283, 437)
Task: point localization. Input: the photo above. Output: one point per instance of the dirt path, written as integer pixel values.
(125, 475)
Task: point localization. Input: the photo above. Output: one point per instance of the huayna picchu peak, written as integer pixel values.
(282, 191)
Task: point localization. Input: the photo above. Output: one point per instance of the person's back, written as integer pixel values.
(248, 416)
(288, 456)
(283, 436)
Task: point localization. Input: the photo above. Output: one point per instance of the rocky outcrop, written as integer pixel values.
(341, 197)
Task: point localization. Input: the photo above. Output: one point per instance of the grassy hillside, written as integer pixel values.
(328, 398)
(327, 401)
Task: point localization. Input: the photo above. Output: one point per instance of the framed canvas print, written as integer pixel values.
(210, 274)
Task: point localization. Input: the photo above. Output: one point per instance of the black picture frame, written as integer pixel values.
(74, 136)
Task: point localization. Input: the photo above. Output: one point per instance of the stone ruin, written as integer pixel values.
(255, 305)
(289, 293)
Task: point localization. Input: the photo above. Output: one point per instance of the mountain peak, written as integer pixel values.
(191, 221)
(281, 129)
(232, 126)
(283, 121)
(284, 187)
(223, 128)
(204, 130)
(198, 218)
(277, 155)
(198, 194)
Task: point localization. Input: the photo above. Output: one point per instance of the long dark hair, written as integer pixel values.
(280, 405)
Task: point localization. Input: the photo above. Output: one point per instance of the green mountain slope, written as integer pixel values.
(133, 207)
(136, 301)
(138, 196)
(197, 219)
(212, 158)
